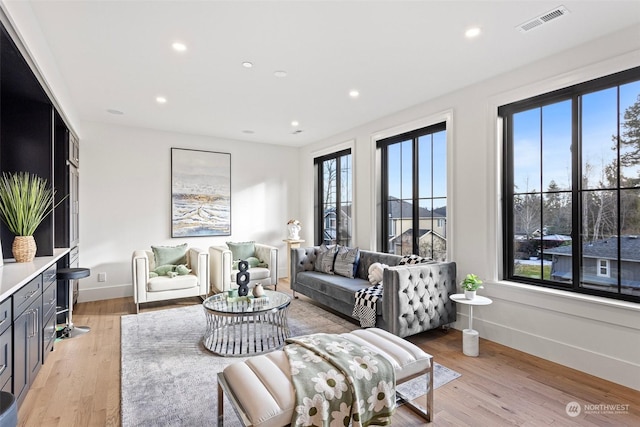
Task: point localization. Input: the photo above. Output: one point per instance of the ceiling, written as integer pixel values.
(118, 55)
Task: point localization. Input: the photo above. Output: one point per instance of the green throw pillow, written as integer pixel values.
(242, 250)
(173, 255)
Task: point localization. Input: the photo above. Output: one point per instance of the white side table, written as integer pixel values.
(470, 338)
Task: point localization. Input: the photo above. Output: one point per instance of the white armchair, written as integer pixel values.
(223, 275)
(160, 288)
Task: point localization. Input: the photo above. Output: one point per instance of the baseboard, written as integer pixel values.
(585, 360)
(105, 292)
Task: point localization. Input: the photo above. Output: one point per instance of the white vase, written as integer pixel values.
(258, 290)
(469, 294)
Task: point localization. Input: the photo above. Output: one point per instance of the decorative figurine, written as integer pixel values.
(293, 227)
(242, 278)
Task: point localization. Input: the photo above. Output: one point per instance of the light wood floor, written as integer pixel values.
(79, 385)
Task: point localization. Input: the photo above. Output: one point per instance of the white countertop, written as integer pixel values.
(14, 275)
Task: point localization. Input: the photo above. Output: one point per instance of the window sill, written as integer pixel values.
(622, 313)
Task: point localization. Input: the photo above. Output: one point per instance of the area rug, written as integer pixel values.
(169, 378)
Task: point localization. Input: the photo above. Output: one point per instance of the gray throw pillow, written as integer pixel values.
(324, 258)
(346, 261)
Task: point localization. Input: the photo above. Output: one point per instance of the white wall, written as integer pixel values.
(594, 335)
(125, 198)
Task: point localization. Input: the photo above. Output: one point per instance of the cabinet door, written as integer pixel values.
(20, 345)
(34, 351)
(27, 349)
(6, 357)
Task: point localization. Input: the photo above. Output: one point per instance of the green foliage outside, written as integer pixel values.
(532, 271)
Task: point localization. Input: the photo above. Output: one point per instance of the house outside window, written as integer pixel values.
(414, 193)
(334, 199)
(571, 188)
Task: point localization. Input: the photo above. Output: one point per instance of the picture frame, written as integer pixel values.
(200, 193)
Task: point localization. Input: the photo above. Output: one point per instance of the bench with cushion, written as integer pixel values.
(261, 392)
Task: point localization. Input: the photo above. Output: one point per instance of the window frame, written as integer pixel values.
(382, 146)
(319, 194)
(505, 115)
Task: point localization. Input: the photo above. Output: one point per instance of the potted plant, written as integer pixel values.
(470, 285)
(25, 201)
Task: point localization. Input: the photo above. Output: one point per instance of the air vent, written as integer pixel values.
(296, 132)
(545, 18)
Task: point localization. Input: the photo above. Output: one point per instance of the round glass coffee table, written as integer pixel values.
(246, 326)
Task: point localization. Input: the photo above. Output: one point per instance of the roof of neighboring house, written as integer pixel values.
(423, 232)
(606, 249)
(402, 209)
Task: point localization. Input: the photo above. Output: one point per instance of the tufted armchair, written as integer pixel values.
(147, 288)
(223, 273)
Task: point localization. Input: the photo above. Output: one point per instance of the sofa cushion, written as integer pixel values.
(242, 250)
(164, 255)
(257, 273)
(334, 287)
(346, 261)
(164, 283)
(325, 257)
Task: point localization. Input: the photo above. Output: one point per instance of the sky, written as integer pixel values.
(599, 124)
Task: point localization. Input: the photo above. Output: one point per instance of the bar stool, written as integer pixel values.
(8, 410)
(69, 274)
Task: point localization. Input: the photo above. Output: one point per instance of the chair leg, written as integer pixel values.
(428, 413)
(137, 308)
(220, 406)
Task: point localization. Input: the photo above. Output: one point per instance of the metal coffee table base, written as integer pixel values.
(246, 334)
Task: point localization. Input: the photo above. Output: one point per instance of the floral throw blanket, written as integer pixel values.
(339, 382)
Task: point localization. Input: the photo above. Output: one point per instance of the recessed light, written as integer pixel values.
(161, 100)
(472, 32)
(280, 73)
(116, 112)
(247, 64)
(354, 93)
(248, 131)
(179, 47)
(295, 123)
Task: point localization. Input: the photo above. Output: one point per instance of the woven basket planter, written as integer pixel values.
(24, 248)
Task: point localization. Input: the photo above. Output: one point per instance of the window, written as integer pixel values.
(572, 188)
(334, 199)
(414, 193)
(603, 268)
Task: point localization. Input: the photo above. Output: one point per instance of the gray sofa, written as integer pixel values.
(415, 297)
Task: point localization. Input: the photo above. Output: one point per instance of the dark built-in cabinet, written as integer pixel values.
(35, 138)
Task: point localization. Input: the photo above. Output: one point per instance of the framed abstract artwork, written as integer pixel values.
(200, 193)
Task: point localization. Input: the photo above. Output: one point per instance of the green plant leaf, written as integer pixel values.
(25, 201)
